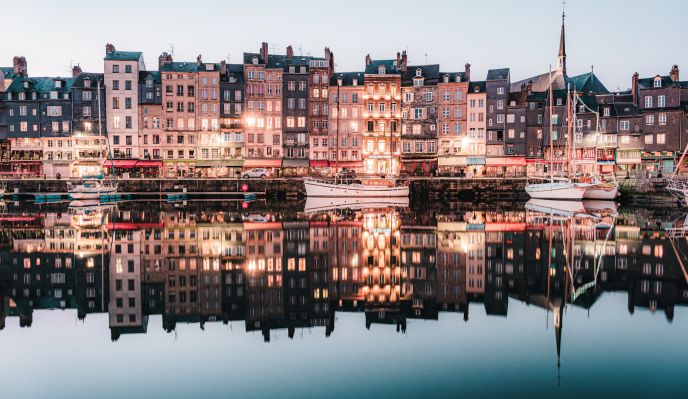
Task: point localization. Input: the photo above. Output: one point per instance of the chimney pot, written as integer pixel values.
(634, 88)
(20, 66)
(674, 73)
(109, 48)
(76, 71)
(368, 60)
(468, 72)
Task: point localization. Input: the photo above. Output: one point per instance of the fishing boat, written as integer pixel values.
(560, 188)
(90, 189)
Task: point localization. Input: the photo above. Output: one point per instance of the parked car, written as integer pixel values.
(346, 174)
(256, 172)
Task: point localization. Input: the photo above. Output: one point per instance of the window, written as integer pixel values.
(648, 102)
(661, 101)
(648, 139)
(657, 82)
(500, 90)
(661, 138)
(428, 96)
(606, 111)
(624, 125)
(650, 120)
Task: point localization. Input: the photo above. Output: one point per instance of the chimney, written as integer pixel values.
(468, 72)
(329, 58)
(76, 71)
(368, 60)
(199, 60)
(223, 67)
(529, 87)
(634, 88)
(109, 48)
(404, 61)
(264, 52)
(20, 67)
(674, 73)
(290, 52)
(398, 60)
(164, 59)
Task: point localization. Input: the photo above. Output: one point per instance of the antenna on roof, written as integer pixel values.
(172, 49)
(300, 50)
(592, 69)
(228, 54)
(426, 58)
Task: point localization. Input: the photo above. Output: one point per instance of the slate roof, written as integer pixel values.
(40, 85)
(622, 109)
(589, 101)
(431, 73)
(347, 78)
(541, 82)
(274, 61)
(123, 56)
(452, 76)
(648, 83)
(233, 70)
(94, 77)
(498, 74)
(7, 72)
(480, 85)
(390, 67)
(143, 75)
(588, 83)
(179, 67)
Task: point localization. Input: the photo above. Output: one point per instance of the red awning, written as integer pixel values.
(132, 226)
(347, 164)
(120, 163)
(263, 163)
(148, 164)
(321, 163)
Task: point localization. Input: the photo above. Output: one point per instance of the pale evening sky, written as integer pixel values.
(618, 36)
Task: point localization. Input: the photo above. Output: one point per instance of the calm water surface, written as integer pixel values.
(219, 299)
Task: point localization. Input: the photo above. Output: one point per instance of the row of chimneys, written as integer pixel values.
(20, 67)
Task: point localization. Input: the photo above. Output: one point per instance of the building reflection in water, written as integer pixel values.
(294, 270)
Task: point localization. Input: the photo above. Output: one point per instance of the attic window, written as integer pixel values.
(581, 108)
(303, 69)
(458, 77)
(58, 84)
(87, 82)
(445, 79)
(26, 85)
(355, 81)
(419, 72)
(149, 83)
(607, 112)
(209, 67)
(381, 70)
(255, 60)
(559, 101)
(658, 82)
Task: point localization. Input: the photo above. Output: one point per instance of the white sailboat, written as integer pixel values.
(560, 189)
(322, 204)
(345, 188)
(93, 188)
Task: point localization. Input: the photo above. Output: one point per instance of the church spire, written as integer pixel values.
(561, 59)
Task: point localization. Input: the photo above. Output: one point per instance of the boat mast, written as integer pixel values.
(551, 140)
(569, 139)
(336, 144)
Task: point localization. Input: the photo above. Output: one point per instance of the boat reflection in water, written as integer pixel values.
(290, 269)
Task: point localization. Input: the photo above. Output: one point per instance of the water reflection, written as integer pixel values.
(290, 269)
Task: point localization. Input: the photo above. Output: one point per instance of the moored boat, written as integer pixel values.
(563, 190)
(374, 188)
(90, 190)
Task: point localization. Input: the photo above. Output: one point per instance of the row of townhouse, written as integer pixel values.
(296, 115)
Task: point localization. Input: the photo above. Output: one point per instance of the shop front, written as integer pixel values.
(219, 168)
(179, 168)
(381, 166)
(26, 168)
(658, 163)
(124, 168)
(274, 165)
(149, 168)
(476, 167)
(505, 167)
(452, 165)
(295, 167)
(57, 169)
(418, 166)
(628, 162)
(87, 168)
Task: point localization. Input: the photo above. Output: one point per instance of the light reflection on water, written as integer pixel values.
(216, 300)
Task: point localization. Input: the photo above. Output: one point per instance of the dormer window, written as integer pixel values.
(87, 82)
(339, 82)
(292, 69)
(559, 102)
(607, 111)
(445, 79)
(458, 78)
(58, 84)
(255, 60)
(418, 82)
(303, 69)
(581, 108)
(149, 83)
(355, 82)
(53, 95)
(658, 82)
(26, 85)
(209, 67)
(381, 70)
(419, 72)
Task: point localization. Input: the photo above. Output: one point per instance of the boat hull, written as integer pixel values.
(600, 191)
(81, 195)
(558, 191)
(331, 190)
